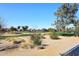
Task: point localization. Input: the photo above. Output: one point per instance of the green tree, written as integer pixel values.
(13, 29)
(66, 15)
(77, 28)
(51, 30)
(24, 28)
(1, 23)
(18, 28)
(2, 30)
(60, 25)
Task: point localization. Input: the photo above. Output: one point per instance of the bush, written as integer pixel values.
(18, 41)
(54, 35)
(9, 39)
(36, 39)
(1, 37)
(65, 34)
(24, 45)
(15, 40)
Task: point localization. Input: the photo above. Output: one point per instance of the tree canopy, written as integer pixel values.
(66, 14)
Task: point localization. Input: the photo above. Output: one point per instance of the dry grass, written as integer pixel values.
(53, 48)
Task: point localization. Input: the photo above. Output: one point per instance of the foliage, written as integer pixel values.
(51, 30)
(60, 25)
(68, 34)
(13, 29)
(18, 27)
(15, 40)
(66, 15)
(53, 35)
(24, 28)
(65, 33)
(2, 30)
(25, 45)
(10, 39)
(44, 30)
(1, 23)
(77, 29)
(36, 39)
(67, 10)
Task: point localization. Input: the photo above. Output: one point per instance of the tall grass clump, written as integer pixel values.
(53, 35)
(26, 46)
(36, 39)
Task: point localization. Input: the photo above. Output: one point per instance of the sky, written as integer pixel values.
(34, 15)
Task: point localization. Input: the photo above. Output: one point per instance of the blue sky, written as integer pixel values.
(34, 15)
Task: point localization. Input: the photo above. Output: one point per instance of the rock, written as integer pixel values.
(13, 46)
(2, 47)
(7, 45)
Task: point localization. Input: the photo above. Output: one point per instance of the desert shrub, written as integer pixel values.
(36, 39)
(26, 46)
(42, 36)
(53, 35)
(15, 40)
(10, 39)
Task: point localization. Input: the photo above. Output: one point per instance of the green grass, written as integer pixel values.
(1, 37)
(20, 35)
(65, 34)
(4, 37)
(17, 35)
(23, 34)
